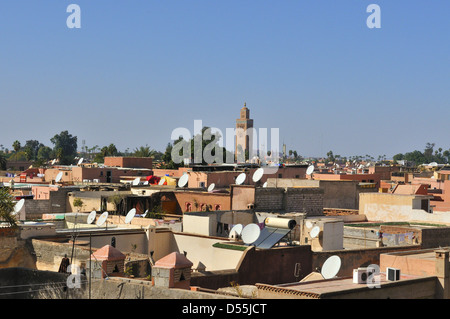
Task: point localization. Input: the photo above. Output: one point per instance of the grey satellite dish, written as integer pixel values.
(265, 184)
(331, 267)
(102, 219)
(237, 229)
(250, 233)
(130, 215)
(162, 181)
(211, 187)
(310, 169)
(80, 161)
(241, 179)
(58, 177)
(183, 180)
(314, 232)
(18, 207)
(136, 181)
(91, 217)
(258, 174)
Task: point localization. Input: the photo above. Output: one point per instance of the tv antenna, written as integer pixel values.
(331, 267)
(102, 219)
(257, 175)
(58, 177)
(241, 179)
(310, 170)
(182, 182)
(91, 217)
(130, 215)
(315, 231)
(250, 233)
(236, 232)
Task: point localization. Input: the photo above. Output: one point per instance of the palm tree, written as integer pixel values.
(144, 151)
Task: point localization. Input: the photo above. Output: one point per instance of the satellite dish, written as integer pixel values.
(145, 213)
(314, 232)
(310, 169)
(250, 233)
(237, 229)
(265, 184)
(145, 183)
(53, 161)
(130, 215)
(136, 181)
(241, 179)
(58, 177)
(211, 187)
(309, 224)
(80, 161)
(91, 217)
(331, 267)
(162, 181)
(18, 207)
(258, 174)
(102, 219)
(183, 180)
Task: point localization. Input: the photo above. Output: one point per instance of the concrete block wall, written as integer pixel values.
(269, 198)
(308, 200)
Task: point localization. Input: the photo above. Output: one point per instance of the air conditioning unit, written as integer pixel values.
(362, 274)
(392, 274)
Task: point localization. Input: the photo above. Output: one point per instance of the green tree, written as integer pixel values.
(65, 147)
(7, 207)
(16, 146)
(144, 151)
(2, 161)
(44, 153)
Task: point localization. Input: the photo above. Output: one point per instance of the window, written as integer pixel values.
(217, 207)
(188, 207)
(280, 175)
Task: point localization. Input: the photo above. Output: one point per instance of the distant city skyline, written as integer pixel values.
(136, 71)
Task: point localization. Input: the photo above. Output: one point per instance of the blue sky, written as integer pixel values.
(136, 70)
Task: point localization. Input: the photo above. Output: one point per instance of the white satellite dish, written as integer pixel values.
(53, 161)
(136, 181)
(237, 229)
(80, 161)
(211, 187)
(265, 184)
(310, 169)
(91, 217)
(331, 267)
(18, 207)
(145, 183)
(258, 174)
(58, 177)
(162, 181)
(102, 219)
(308, 224)
(314, 232)
(183, 180)
(145, 213)
(130, 215)
(241, 179)
(250, 233)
